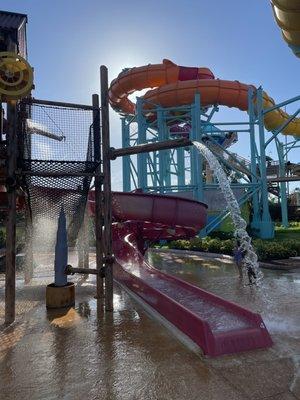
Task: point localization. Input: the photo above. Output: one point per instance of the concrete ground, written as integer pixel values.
(85, 353)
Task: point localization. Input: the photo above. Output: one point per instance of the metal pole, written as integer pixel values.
(24, 112)
(180, 167)
(200, 183)
(145, 148)
(282, 185)
(193, 156)
(83, 242)
(69, 270)
(280, 105)
(98, 194)
(86, 242)
(267, 227)
(155, 176)
(196, 157)
(162, 156)
(164, 135)
(285, 179)
(107, 197)
(253, 168)
(10, 273)
(1, 121)
(281, 128)
(141, 158)
(126, 159)
(60, 104)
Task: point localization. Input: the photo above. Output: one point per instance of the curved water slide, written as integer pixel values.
(287, 16)
(216, 325)
(176, 86)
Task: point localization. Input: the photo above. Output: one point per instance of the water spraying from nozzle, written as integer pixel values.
(250, 259)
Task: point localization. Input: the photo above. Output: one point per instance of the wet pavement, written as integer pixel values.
(85, 353)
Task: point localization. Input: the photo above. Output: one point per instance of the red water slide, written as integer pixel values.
(216, 325)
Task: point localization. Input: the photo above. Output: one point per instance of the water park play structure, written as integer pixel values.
(53, 152)
(183, 105)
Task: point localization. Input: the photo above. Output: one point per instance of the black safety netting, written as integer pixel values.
(57, 142)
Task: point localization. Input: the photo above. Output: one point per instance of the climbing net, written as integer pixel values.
(58, 163)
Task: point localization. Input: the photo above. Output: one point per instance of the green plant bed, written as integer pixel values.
(265, 249)
(292, 232)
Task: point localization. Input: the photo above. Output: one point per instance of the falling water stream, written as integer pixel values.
(250, 258)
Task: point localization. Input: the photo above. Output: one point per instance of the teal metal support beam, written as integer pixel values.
(213, 110)
(141, 158)
(279, 105)
(155, 169)
(266, 224)
(282, 186)
(281, 128)
(180, 167)
(196, 157)
(200, 191)
(193, 158)
(126, 159)
(256, 220)
(222, 160)
(213, 224)
(291, 146)
(161, 154)
(164, 155)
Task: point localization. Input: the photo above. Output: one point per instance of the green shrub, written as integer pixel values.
(197, 244)
(265, 249)
(272, 250)
(293, 245)
(180, 244)
(227, 247)
(214, 245)
(221, 235)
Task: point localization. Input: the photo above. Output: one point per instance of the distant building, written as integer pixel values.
(295, 199)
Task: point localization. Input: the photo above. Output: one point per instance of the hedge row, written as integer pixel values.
(265, 249)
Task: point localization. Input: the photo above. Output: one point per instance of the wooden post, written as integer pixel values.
(83, 243)
(107, 198)
(80, 250)
(86, 241)
(148, 147)
(1, 121)
(28, 267)
(24, 113)
(10, 274)
(98, 194)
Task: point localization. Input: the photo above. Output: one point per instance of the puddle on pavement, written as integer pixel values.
(85, 352)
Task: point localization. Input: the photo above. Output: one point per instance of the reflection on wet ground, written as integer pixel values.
(85, 353)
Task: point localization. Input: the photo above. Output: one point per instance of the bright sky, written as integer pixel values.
(237, 39)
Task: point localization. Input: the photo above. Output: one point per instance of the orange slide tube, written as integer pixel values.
(149, 76)
(176, 86)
